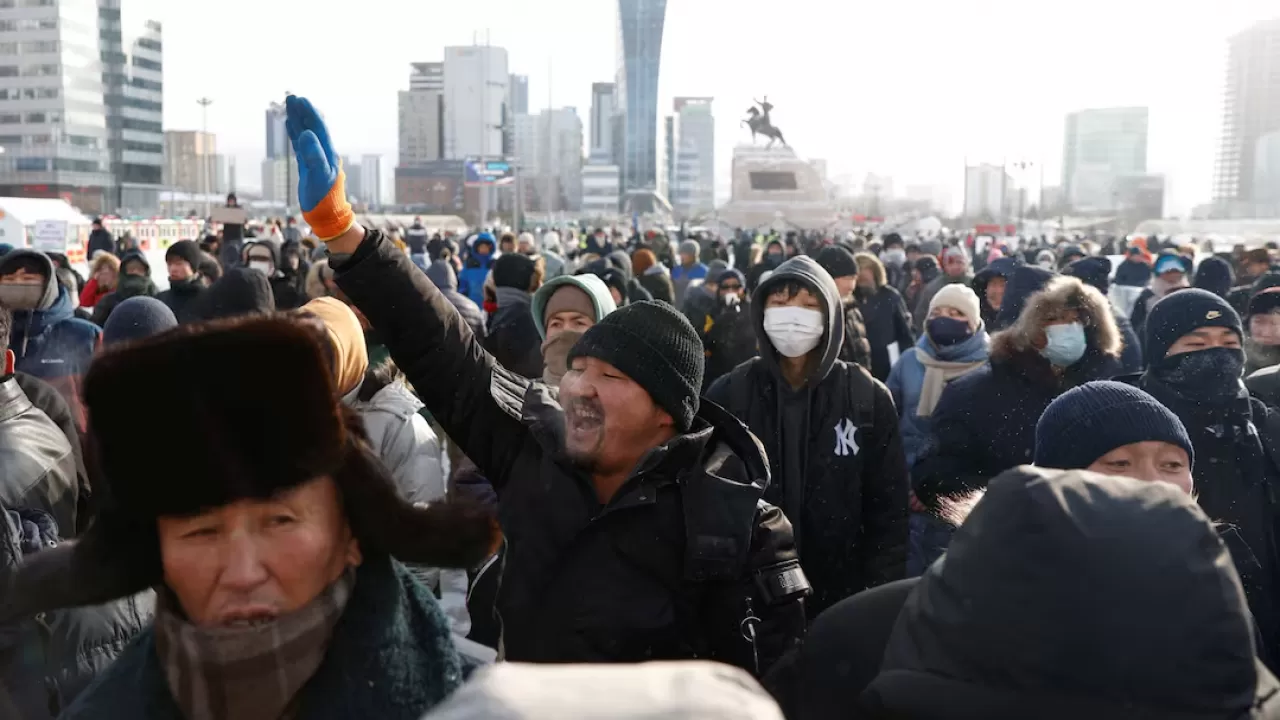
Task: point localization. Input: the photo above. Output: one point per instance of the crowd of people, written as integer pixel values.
(855, 475)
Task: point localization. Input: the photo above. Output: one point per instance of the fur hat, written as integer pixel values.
(238, 433)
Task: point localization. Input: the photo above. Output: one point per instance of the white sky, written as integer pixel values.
(907, 88)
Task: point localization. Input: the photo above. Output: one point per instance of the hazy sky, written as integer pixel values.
(906, 88)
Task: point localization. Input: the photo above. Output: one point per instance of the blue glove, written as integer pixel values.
(321, 179)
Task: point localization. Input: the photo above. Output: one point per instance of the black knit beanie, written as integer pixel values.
(1181, 312)
(187, 251)
(513, 270)
(1095, 271)
(837, 261)
(1091, 420)
(657, 347)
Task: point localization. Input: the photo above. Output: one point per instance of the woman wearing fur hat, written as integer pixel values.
(984, 423)
(278, 595)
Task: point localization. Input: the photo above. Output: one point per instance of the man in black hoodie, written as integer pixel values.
(185, 284)
(265, 258)
(830, 431)
(446, 281)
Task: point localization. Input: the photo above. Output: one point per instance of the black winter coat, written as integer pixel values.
(183, 298)
(446, 281)
(885, 314)
(850, 511)
(985, 421)
(656, 573)
(513, 338)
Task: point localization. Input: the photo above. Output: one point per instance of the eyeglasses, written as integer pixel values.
(730, 287)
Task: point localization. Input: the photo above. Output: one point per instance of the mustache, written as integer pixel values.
(578, 406)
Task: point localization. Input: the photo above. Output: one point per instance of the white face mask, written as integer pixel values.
(261, 266)
(794, 331)
(21, 296)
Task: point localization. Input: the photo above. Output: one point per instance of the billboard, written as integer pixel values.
(489, 172)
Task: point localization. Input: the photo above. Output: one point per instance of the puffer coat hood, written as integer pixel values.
(1060, 294)
(1125, 581)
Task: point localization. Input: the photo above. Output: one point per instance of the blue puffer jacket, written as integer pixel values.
(46, 661)
(907, 377)
(51, 343)
(471, 279)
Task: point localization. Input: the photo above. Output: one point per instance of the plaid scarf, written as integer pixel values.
(246, 673)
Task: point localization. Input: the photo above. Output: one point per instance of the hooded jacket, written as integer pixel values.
(582, 582)
(240, 291)
(284, 289)
(1000, 267)
(834, 450)
(1059, 599)
(985, 421)
(446, 281)
(50, 342)
(593, 286)
(471, 279)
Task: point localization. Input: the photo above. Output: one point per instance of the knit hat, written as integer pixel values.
(731, 274)
(136, 318)
(1095, 271)
(1215, 275)
(186, 251)
(241, 291)
(691, 247)
(960, 297)
(513, 270)
(1264, 302)
(656, 346)
(214, 431)
(837, 261)
(350, 355)
(642, 260)
(1177, 314)
(714, 268)
(1089, 421)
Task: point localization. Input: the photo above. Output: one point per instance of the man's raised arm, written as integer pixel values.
(475, 399)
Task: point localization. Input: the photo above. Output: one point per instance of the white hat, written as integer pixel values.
(960, 297)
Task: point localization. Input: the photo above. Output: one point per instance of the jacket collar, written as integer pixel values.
(13, 401)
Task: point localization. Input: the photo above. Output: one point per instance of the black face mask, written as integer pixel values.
(1210, 376)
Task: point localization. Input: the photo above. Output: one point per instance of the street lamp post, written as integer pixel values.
(204, 103)
(1022, 166)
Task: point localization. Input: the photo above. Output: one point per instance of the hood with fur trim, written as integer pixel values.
(1061, 294)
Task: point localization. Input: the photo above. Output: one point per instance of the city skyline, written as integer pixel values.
(925, 105)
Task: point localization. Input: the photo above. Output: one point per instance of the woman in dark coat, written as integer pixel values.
(885, 314)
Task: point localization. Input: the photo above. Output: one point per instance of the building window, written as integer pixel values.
(8, 70)
(149, 44)
(10, 118)
(38, 3)
(150, 174)
(31, 164)
(40, 46)
(143, 125)
(146, 84)
(41, 70)
(70, 165)
(134, 146)
(36, 118)
(83, 141)
(147, 64)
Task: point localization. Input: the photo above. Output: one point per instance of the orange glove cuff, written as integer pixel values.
(332, 216)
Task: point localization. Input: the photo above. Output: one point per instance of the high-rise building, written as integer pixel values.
(1250, 114)
(1101, 146)
(475, 98)
(518, 95)
(990, 194)
(640, 25)
(191, 162)
(667, 158)
(421, 126)
(604, 106)
(371, 179)
(695, 188)
(558, 169)
(426, 76)
(83, 99)
(280, 180)
(601, 194)
(133, 96)
(277, 135)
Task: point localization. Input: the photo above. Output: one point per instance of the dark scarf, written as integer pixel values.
(249, 673)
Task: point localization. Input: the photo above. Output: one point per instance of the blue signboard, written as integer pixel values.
(490, 172)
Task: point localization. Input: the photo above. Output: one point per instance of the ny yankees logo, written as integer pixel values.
(845, 444)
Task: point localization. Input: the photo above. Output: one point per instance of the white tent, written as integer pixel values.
(48, 224)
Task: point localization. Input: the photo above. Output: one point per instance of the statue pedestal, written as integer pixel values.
(773, 186)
